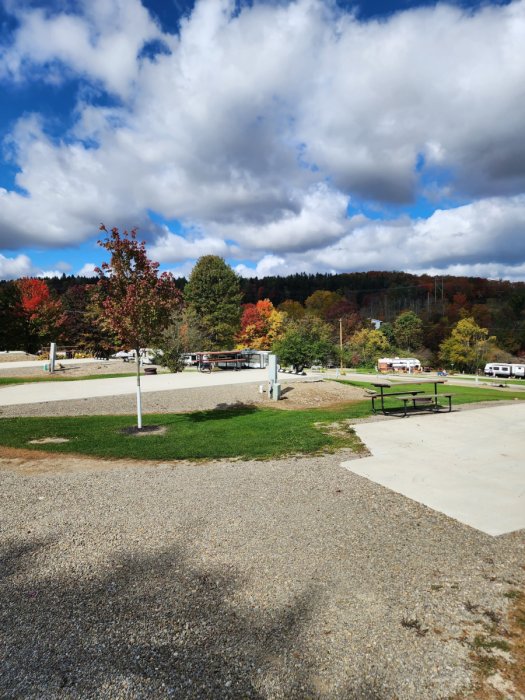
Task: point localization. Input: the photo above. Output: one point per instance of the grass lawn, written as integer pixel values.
(460, 394)
(5, 381)
(245, 432)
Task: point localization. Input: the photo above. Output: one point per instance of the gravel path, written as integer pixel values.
(310, 393)
(282, 579)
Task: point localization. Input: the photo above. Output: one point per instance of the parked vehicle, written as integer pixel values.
(398, 364)
(146, 356)
(505, 369)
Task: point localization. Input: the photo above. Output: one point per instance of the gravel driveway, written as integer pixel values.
(290, 578)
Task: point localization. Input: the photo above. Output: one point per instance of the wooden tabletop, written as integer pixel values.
(387, 384)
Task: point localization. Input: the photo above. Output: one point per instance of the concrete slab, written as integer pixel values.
(468, 465)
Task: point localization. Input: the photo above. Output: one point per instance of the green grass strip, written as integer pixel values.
(460, 394)
(246, 432)
(249, 433)
(6, 381)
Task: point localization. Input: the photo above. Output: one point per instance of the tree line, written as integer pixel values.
(455, 322)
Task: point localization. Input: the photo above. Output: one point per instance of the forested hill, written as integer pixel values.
(377, 294)
(386, 293)
(439, 302)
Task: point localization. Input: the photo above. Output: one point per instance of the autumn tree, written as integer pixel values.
(304, 343)
(213, 298)
(261, 325)
(43, 314)
(408, 331)
(180, 337)
(136, 301)
(320, 302)
(293, 309)
(467, 347)
(366, 346)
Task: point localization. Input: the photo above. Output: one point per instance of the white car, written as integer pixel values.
(127, 356)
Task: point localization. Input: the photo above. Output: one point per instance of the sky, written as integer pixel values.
(285, 136)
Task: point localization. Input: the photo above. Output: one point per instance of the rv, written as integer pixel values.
(518, 371)
(504, 369)
(398, 364)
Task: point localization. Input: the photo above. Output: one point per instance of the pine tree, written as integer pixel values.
(213, 298)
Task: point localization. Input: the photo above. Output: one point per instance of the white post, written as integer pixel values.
(275, 387)
(52, 356)
(139, 397)
(139, 408)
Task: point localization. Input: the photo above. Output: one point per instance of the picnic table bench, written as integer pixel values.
(413, 399)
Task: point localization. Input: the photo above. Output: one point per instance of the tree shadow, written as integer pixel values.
(223, 411)
(153, 626)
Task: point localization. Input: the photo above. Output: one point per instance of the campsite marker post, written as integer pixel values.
(275, 387)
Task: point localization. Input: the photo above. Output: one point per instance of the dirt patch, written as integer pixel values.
(17, 357)
(35, 462)
(501, 674)
(145, 430)
(310, 393)
(48, 440)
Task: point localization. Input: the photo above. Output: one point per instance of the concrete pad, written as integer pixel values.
(469, 465)
(16, 394)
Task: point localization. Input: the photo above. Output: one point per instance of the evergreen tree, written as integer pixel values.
(213, 299)
(12, 318)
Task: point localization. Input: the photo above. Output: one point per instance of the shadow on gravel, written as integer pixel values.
(155, 627)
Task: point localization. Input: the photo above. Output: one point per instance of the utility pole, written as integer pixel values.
(341, 341)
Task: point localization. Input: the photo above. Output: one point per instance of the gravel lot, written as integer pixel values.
(291, 578)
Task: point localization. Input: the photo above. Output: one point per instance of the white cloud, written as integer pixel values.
(13, 268)
(101, 40)
(485, 235)
(260, 126)
(48, 273)
(170, 247)
(87, 270)
(318, 216)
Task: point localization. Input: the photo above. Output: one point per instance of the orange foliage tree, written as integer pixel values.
(261, 325)
(43, 315)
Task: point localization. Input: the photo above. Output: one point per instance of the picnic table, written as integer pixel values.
(412, 398)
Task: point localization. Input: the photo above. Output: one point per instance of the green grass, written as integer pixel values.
(246, 432)
(5, 381)
(242, 432)
(488, 380)
(460, 394)
(481, 642)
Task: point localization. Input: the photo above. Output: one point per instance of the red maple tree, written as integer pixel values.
(136, 301)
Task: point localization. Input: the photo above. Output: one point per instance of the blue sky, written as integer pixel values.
(285, 136)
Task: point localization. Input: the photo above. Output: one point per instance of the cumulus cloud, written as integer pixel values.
(258, 127)
(486, 235)
(23, 266)
(13, 268)
(87, 270)
(171, 247)
(101, 41)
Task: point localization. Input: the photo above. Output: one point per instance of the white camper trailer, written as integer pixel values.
(498, 369)
(518, 371)
(398, 364)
